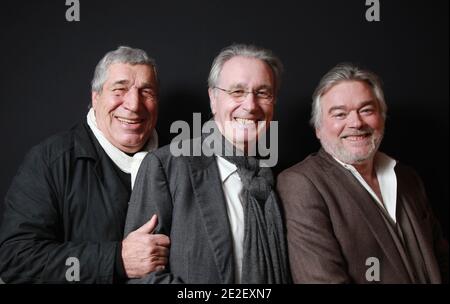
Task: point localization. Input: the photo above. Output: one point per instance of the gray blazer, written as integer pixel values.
(186, 194)
(334, 225)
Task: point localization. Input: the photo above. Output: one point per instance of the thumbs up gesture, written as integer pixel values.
(144, 252)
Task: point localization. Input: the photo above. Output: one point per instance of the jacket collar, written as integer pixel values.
(369, 212)
(84, 146)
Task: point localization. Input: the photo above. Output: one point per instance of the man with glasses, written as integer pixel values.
(65, 210)
(220, 211)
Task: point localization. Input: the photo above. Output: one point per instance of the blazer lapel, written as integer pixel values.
(369, 212)
(210, 198)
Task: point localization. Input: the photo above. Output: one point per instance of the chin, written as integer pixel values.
(358, 158)
(131, 143)
(362, 152)
(245, 139)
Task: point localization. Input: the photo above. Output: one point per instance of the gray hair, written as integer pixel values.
(340, 73)
(245, 50)
(123, 54)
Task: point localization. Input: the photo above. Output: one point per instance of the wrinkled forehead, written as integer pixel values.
(128, 73)
(246, 72)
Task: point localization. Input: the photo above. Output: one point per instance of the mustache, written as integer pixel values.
(366, 131)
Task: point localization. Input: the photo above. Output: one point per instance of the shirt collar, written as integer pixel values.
(226, 168)
(387, 180)
(382, 163)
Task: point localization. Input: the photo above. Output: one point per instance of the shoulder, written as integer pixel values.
(53, 148)
(45, 164)
(189, 152)
(313, 165)
(408, 177)
(300, 178)
(164, 158)
(405, 171)
(317, 176)
(162, 155)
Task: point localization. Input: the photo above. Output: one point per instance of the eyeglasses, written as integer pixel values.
(263, 96)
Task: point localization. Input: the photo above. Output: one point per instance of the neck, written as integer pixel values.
(366, 169)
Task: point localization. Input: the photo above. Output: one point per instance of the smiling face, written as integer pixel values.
(352, 125)
(126, 109)
(241, 122)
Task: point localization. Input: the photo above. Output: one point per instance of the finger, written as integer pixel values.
(159, 251)
(159, 261)
(161, 239)
(149, 226)
(160, 268)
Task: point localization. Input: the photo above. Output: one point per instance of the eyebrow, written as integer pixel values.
(264, 87)
(124, 81)
(145, 85)
(237, 86)
(244, 86)
(363, 104)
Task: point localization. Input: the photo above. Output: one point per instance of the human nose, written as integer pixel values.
(250, 102)
(131, 100)
(354, 120)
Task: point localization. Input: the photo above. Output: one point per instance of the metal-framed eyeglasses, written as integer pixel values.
(263, 96)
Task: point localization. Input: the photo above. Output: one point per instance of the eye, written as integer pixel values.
(263, 94)
(237, 93)
(339, 115)
(148, 93)
(119, 91)
(367, 111)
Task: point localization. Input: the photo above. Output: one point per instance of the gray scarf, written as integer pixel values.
(265, 255)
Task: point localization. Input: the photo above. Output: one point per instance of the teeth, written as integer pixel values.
(355, 137)
(244, 121)
(128, 121)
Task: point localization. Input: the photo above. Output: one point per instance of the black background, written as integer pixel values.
(47, 65)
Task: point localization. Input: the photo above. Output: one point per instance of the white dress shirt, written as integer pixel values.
(384, 169)
(232, 188)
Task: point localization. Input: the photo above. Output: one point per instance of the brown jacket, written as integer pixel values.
(334, 225)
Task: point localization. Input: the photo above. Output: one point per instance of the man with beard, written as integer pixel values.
(354, 214)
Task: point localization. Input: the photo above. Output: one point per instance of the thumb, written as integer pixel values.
(150, 225)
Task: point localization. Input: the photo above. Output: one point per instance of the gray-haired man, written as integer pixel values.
(65, 210)
(220, 210)
(354, 214)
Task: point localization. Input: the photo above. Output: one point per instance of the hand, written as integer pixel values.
(144, 252)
